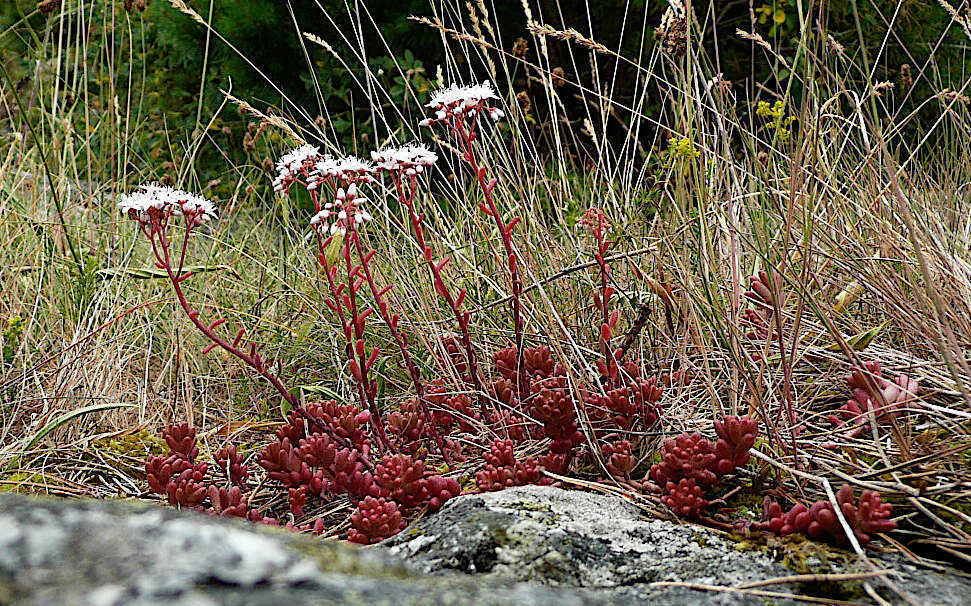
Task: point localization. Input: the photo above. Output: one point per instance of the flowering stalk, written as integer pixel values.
(348, 217)
(459, 108)
(152, 207)
(345, 216)
(305, 166)
(408, 163)
(505, 231)
(596, 221)
(362, 366)
(335, 303)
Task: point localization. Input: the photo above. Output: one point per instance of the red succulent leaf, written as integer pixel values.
(227, 503)
(686, 456)
(282, 463)
(502, 470)
(376, 519)
(736, 438)
(865, 517)
(554, 408)
(231, 463)
(885, 399)
(181, 440)
(298, 499)
(619, 458)
(766, 291)
(685, 498)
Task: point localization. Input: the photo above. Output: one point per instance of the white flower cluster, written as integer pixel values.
(294, 163)
(463, 101)
(409, 159)
(348, 169)
(594, 220)
(346, 210)
(163, 202)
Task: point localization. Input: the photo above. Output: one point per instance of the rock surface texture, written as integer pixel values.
(528, 545)
(604, 544)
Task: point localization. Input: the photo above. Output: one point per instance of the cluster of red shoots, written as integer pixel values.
(308, 464)
(327, 451)
(865, 517)
(876, 395)
(549, 408)
(691, 464)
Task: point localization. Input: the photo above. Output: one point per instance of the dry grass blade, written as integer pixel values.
(568, 35)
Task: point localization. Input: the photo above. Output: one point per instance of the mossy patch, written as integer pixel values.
(414, 532)
(805, 556)
(700, 539)
(528, 506)
(137, 444)
(746, 504)
(345, 559)
(22, 482)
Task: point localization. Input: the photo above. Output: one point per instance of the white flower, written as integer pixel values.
(320, 217)
(165, 201)
(350, 169)
(463, 102)
(414, 157)
(346, 210)
(292, 164)
(197, 209)
(298, 156)
(139, 203)
(468, 97)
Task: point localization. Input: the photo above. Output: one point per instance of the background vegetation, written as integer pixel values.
(175, 72)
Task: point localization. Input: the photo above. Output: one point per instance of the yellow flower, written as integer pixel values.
(682, 148)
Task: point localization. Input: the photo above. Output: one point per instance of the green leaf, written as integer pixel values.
(860, 341)
(333, 395)
(332, 254)
(31, 441)
(146, 273)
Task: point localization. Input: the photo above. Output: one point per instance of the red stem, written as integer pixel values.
(322, 244)
(250, 359)
(602, 246)
(402, 343)
(505, 230)
(461, 317)
(358, 321)
(365, 388)
(342, 318)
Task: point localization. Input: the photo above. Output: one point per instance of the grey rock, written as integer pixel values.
(532, 545)
(580, 539)
(97, 553)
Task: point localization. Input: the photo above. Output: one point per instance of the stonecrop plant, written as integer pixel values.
(522, 418)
